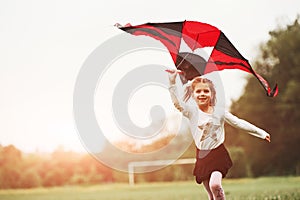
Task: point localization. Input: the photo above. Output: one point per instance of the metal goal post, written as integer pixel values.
(133, 165)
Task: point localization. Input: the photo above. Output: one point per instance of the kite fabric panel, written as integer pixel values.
(197, 48)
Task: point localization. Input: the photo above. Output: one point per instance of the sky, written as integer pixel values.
(45, 43)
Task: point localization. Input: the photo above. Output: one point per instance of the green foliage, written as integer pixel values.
(56, 169)
(10, 172)
(30, 179)
(280, 116)
(240, 166)
(60, 168)
(168, 174)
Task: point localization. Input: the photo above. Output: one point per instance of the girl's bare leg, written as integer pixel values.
(215, 185)
(206, 185)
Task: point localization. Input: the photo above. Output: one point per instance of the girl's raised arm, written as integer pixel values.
(178, 103)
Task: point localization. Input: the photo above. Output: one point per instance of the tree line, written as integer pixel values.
(20, 170)
(279, 61)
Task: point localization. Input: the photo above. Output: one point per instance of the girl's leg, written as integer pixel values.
(215, 185)
(206, 185)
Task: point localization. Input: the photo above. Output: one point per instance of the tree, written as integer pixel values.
(10, 162)
(280, 61)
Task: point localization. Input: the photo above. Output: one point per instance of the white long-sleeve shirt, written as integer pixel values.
(208, 129)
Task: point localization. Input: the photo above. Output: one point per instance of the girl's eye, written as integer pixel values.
(204, 91)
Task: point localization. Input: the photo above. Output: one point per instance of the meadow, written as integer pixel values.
(265, 188)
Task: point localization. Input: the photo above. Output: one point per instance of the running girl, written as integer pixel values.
(207, 127)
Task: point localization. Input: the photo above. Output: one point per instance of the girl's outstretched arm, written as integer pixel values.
(246, 126)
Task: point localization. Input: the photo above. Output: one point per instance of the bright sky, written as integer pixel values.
(43, 45)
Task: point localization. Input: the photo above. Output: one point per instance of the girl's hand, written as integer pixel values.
(172, 75)
(268, 138)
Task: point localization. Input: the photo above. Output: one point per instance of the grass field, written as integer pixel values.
(275, 188)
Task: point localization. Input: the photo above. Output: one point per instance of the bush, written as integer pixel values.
(30, 179)
(240, 166)
(9, 178)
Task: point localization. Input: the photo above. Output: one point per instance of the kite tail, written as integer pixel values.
(264, 83)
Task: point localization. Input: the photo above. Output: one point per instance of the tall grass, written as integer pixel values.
(271, 188)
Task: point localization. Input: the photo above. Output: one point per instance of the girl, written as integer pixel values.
(207, 127)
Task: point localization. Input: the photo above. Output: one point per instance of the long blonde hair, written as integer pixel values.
(191, 86)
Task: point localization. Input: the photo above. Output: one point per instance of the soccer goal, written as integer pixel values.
(133, 165)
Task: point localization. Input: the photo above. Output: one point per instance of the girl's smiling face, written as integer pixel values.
(202, 94)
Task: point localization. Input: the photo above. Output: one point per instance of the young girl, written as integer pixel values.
(207, 127)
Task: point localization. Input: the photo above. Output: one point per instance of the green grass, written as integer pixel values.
(274, 188)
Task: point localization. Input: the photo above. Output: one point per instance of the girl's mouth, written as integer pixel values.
(202, 98)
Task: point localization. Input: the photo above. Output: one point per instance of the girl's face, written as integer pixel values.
(202, 94)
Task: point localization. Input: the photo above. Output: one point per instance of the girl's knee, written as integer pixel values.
(215, 186)
(217, 190)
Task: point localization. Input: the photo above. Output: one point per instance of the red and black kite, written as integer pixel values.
(188, 40)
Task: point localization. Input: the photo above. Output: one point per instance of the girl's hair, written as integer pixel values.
(191, 86)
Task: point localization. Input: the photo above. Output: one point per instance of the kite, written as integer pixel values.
(197, 48)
